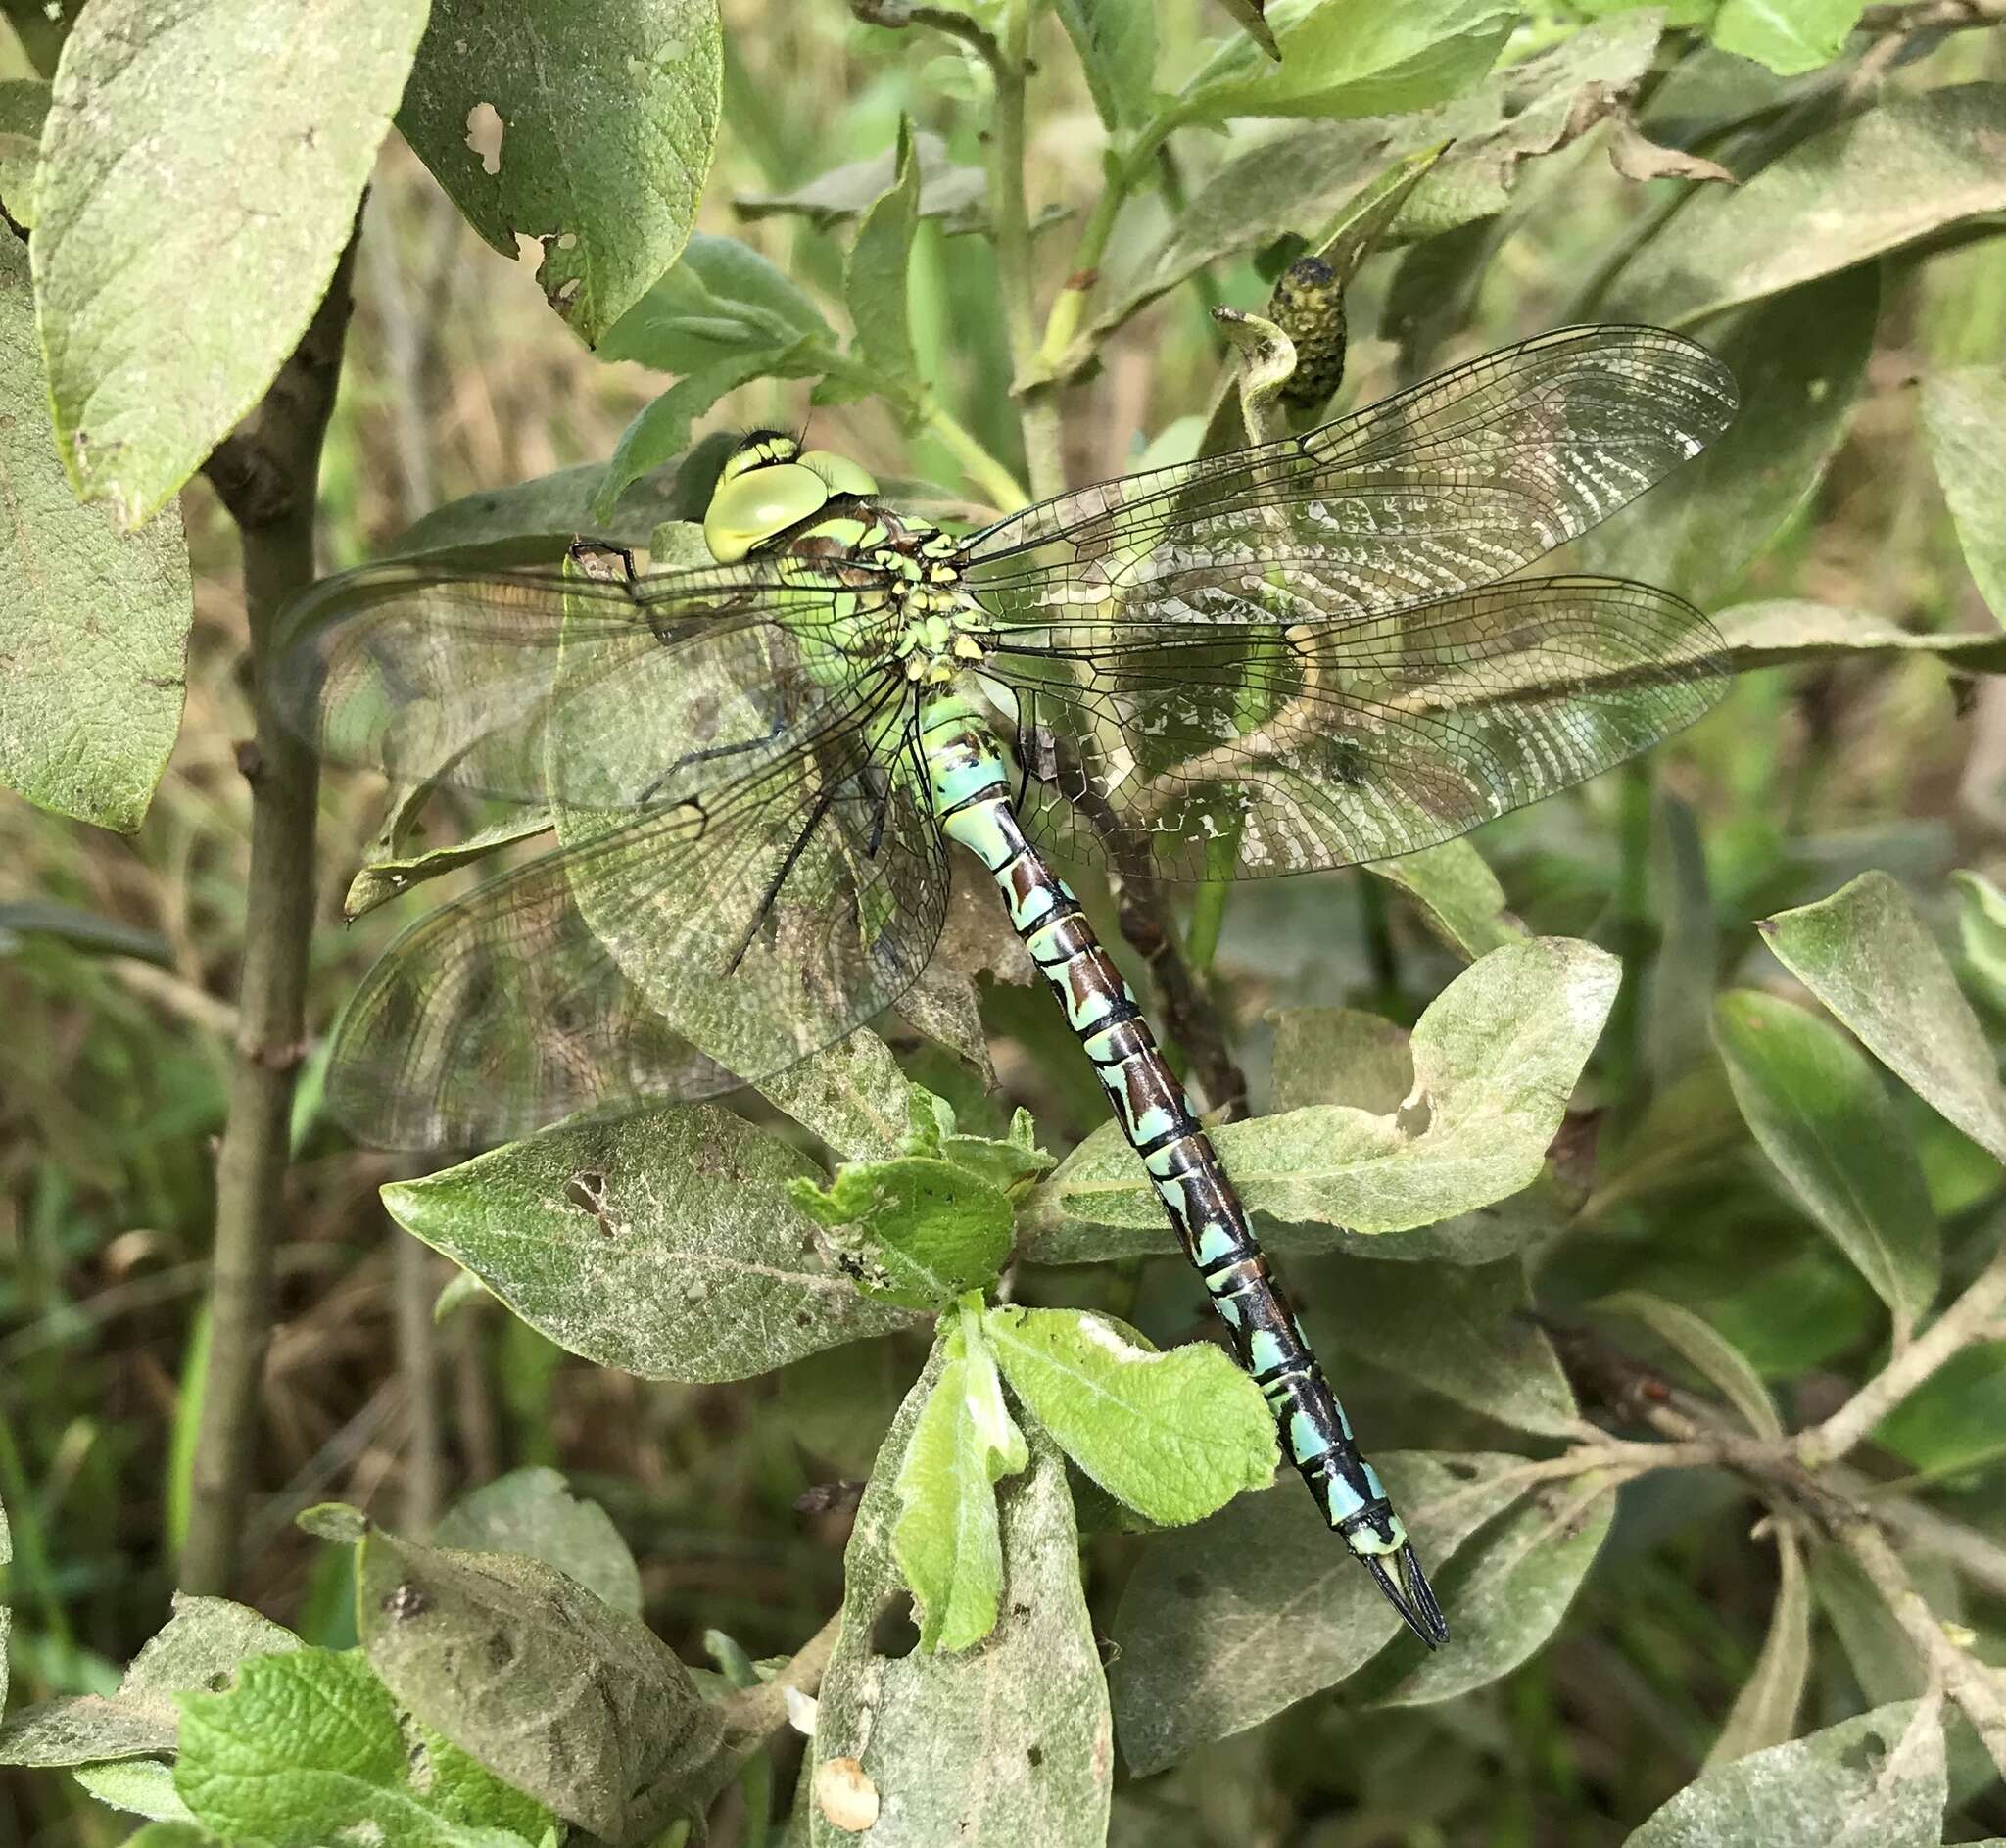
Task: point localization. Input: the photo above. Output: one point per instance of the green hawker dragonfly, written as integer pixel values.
(1309, 653)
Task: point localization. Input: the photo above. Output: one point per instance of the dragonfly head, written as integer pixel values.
(770, 486)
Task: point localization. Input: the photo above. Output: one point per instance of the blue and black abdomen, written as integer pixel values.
(968, 784)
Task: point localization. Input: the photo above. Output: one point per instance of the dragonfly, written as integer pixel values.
(1311, 652)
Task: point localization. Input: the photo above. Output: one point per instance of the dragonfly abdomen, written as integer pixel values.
(970, 783)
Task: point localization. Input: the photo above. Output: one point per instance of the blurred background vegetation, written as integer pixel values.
(113, 1057)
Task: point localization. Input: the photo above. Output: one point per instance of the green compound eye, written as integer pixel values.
(842, 475)
(753, 507)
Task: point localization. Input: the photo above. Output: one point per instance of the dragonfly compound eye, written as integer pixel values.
(843, 476)
(758, 505)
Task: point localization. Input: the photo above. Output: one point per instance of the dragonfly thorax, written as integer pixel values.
(773, 496)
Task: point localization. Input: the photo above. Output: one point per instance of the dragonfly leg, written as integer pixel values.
(767, 899)
(582, 551)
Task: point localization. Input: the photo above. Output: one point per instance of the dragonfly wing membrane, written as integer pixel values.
(1457, 482)
(703, 943)
(1250, 751)
(533, 685)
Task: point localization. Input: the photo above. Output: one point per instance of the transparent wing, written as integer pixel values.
(1247, 751)
(538, 687)
(675, 953)
(1454, 484)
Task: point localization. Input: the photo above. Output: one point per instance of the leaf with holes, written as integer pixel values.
(602, 119)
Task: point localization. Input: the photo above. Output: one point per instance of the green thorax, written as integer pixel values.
(774, 496)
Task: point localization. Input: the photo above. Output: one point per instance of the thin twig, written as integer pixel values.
(266, 473)
(1976, 1687)
(1928, 16)
(1964, 1321)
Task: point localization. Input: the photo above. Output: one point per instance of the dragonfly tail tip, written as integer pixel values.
(1408, 1591)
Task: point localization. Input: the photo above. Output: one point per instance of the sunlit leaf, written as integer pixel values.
(228, 143)
(1822, 1116)
(1906, 169)
(916, 1230)
(1174, 1436)
(1459, 895)
(1786, 35)
(1868, 956)
(946, 1540)
(97, 628)
(605, 112)
(1872, 1781)
(663, 1244)
(1494, 1057)
(1228, 1622)
(307, 1749)
(874, 278)
(1007, 1742)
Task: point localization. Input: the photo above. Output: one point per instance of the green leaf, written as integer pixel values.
(176, 1834)
(1955, 1421)
(1981, 934)
(1872, 1781)
(946, 1540)
(24, 108)
(662, 429)
(917, 1230)
(1251, 13)
(1224, 1623)
(1459, 894)
(1340, 1055)
(537, 522)
(531, 1511)
(1906, 169)
(607, 117)
(1496, 1055)
(1350, 58)
(1462, 1330)
(875, 280)
(1007, 1163)
(1007, 1743)
(1512, 1591)
(199, 1649)
(97, 630)
(1115, 40)
(1867, 956)
(141, 1786)
(1776, 631)
(662, 1244)
(389, 872)
(1174, 1436)
(1307, 181)
(1798, 361)
(1717, 1360)
(201, 169)
(1765, 1711)
(1822, 1117)
(520, 1666)
(722, 300)
(306, 1750)
(957, 196)
(1786, 35)
(1964, 419)
(853, 1096)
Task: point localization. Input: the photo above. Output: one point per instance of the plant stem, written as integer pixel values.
(1006, 493)
(1070, 305)
(1962, 1323)
(1010, 217)
(1976, 1687)
(266, 473)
